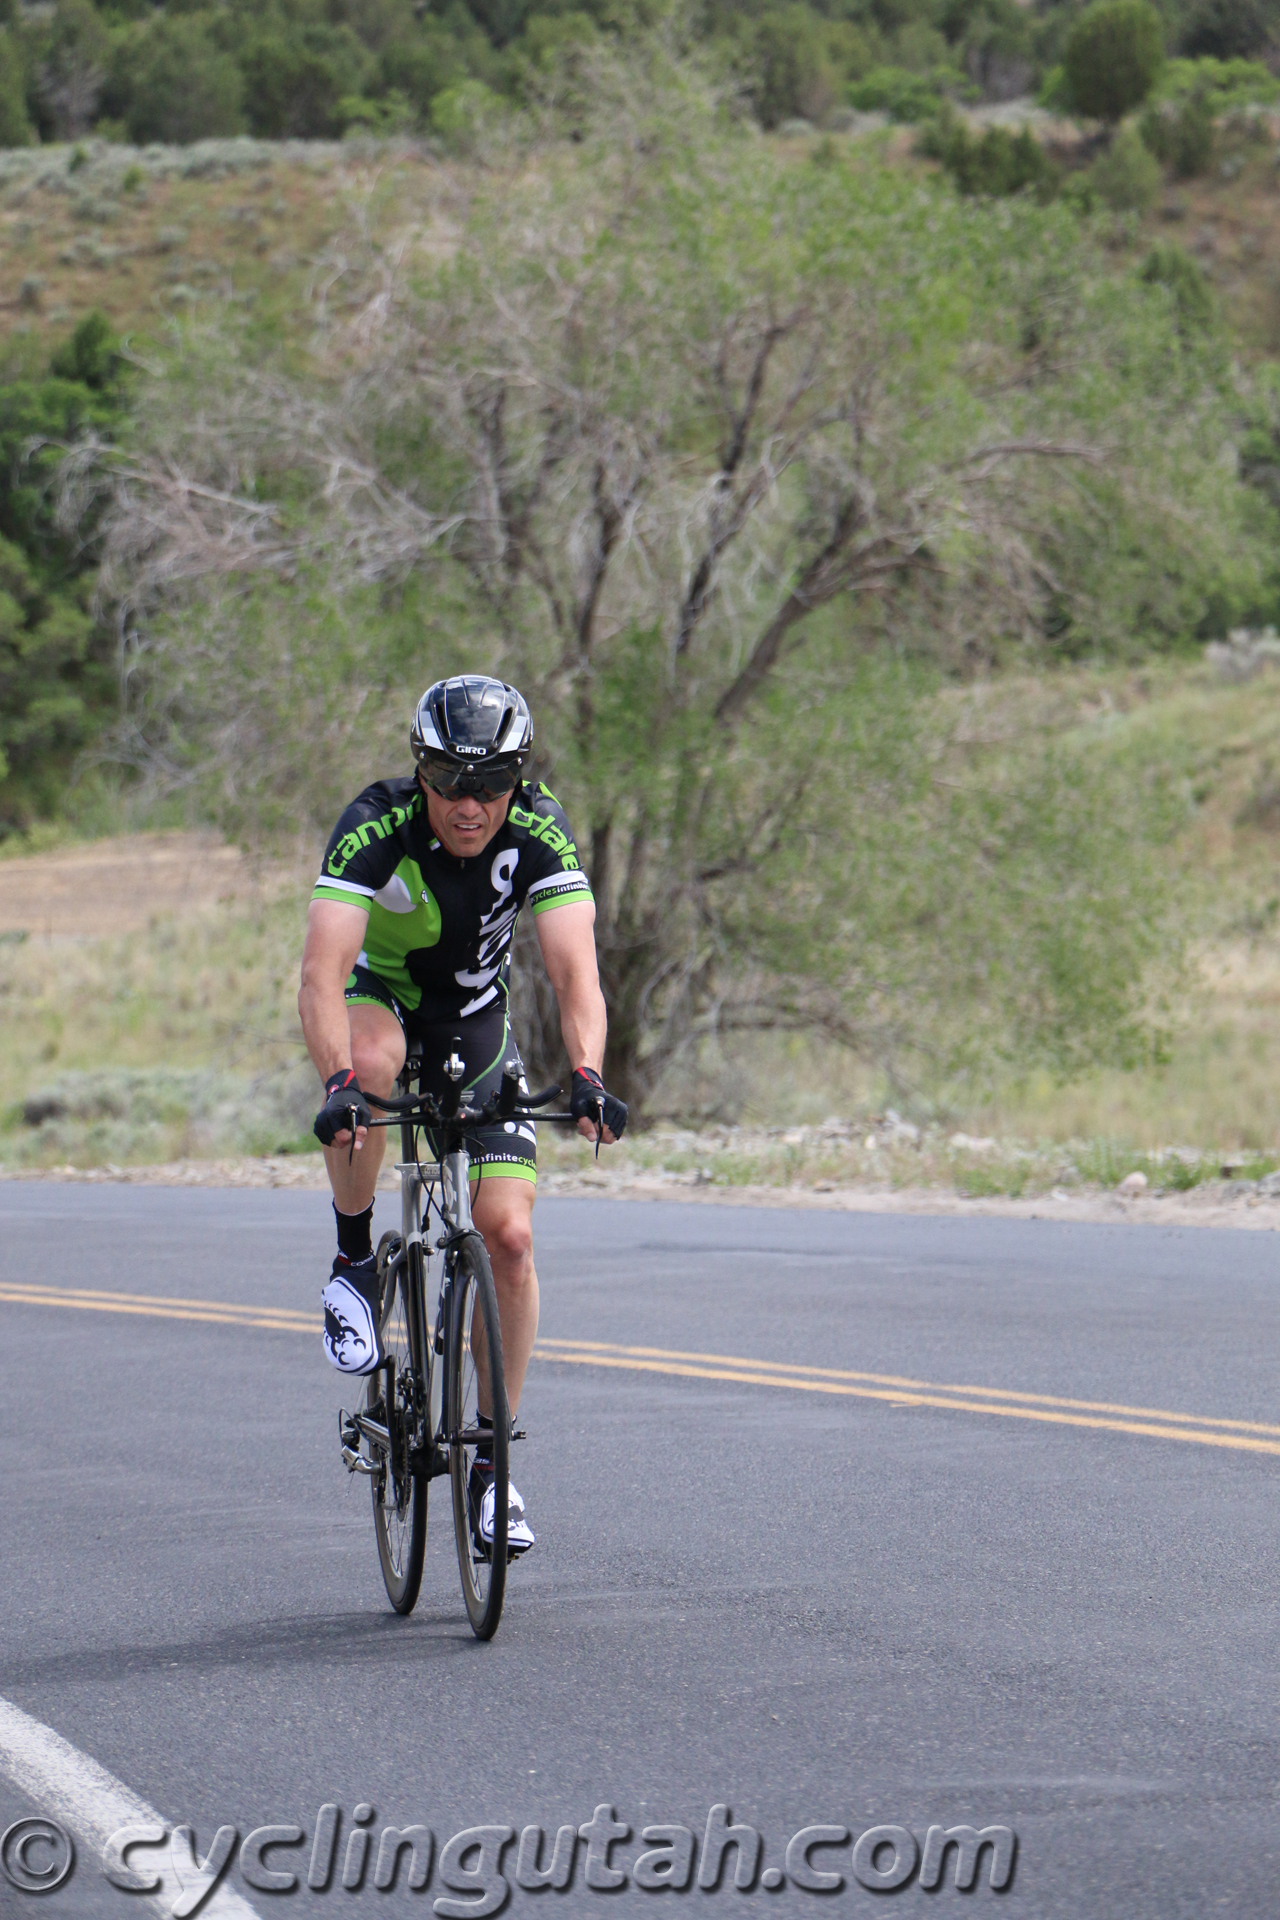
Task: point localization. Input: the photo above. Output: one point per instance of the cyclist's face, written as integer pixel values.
(466, 825)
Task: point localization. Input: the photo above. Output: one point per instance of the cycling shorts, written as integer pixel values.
(508, 1148)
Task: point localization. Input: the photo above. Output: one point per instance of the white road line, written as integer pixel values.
(71, 1788)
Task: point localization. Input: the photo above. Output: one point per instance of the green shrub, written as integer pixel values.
(465, 116)
(904, 96)
(91, 356)
(995, 163)
(1127, 176)
(390, 114)
(1191, 154)
(1180, 135)
(1168, 266)
(1112, 58)
(1223, 84)
(1259, 449)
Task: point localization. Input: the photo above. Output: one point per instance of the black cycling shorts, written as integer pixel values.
(508, 1148)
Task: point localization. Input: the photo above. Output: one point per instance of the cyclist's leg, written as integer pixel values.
(377, 1055)
(502, 1209)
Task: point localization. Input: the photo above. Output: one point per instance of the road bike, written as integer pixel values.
(420, 1419)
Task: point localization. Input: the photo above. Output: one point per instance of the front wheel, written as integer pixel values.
(476, 1386)
(399, 1495)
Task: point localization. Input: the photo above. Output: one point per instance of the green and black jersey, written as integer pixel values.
(440, 927)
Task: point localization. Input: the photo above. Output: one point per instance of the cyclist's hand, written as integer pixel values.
(589, 1104)
(343, 1101)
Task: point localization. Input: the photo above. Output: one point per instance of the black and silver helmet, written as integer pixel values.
(472, 735)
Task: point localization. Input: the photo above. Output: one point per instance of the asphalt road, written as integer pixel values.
(816, 1608)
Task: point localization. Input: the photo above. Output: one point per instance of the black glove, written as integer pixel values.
(589, 1101)
(344, 1109)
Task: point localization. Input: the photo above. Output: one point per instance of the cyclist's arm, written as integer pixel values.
(335, 935)
(567, 938)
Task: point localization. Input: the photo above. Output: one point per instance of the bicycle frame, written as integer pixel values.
(455, 1211)
(453, 1165)
(438, 1403)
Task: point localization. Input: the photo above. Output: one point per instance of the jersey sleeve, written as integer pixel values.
(554, 877)
(362, 852)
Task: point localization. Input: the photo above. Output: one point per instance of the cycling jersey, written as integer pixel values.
(440, 926)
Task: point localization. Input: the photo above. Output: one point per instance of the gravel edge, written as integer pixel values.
(1215, 1204)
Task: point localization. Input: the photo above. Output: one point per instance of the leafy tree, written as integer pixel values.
(15, 126)
(1229, 29)
(71, 68)
(56, 680)
(170, 81)
(793, 75)
(295, 79)
(421, 65)
(1112, 57)
(729, 465)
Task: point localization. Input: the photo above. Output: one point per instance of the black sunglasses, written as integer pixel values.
(457, 783)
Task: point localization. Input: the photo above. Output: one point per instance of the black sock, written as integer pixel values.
(484, 1446)
(355, 1233)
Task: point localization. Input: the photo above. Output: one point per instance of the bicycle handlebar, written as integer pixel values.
(426, 1108)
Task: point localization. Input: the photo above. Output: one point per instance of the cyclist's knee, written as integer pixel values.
(375, 1061)
(508, 1233)
(513, 1235)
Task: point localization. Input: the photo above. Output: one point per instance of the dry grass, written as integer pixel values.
(186, 1003)
(145, 235)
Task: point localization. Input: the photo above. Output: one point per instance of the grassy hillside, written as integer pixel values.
(147, 235)
(144, 237)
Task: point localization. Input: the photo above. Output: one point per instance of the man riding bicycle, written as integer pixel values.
(409, 937)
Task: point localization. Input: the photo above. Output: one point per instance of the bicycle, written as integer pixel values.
(419, 1421)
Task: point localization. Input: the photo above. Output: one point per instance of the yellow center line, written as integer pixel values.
(891, 1389)
(897, 1398)
(244, 1317)
(911, 1387)
(102, 1296)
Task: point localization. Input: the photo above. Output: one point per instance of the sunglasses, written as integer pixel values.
(457, 783)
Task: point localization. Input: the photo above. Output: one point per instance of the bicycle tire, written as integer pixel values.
(400, 1496)
(475, 1374)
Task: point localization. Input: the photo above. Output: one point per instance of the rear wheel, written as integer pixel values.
(475, 1386)
(399, 1495)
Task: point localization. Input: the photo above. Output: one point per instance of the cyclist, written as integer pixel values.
(409, 937)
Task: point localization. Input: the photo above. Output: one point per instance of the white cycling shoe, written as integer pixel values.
(352, 1342)
(520, 1535)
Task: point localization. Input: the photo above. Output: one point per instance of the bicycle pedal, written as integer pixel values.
(518, 1433)
(356, 1463)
